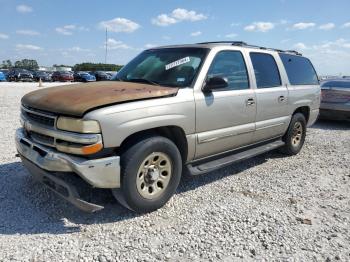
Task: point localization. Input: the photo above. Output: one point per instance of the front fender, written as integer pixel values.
(120, 121)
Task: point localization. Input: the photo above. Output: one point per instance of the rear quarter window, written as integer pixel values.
(299, 70)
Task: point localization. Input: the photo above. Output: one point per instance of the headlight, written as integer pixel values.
(78, 125)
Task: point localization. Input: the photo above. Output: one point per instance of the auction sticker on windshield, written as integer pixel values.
(177, 63)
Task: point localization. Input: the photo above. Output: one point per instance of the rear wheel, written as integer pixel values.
(150, 172)
(295, 135)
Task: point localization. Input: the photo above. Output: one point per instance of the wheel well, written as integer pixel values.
(173, 133)
(305, 110)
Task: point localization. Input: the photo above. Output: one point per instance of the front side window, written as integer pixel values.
(265, 70)
(231, 66)
(174, 67)
(299, 70)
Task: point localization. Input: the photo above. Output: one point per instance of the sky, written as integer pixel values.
(70, 32)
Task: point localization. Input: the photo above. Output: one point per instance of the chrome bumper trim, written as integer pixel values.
(100, 173)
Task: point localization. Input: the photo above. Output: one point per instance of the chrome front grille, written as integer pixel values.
(39, 117)
(41, 128)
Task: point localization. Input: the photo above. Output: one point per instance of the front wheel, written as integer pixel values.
(150, 173)
(295, 136)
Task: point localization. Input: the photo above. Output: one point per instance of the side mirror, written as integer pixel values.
(213, 83)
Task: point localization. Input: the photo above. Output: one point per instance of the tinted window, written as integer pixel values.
(345, 84)
(299, 70)
(230, 65)
(265, 69)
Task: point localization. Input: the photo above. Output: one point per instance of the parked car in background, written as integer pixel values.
(20, 75)
(62, 76)
(44, 76)
(111, 74)
(335, 100)
(101, 76)
(2, 77)
(6, 73)
(83, 77)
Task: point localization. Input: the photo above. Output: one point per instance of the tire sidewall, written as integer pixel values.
(131, 166)
(296, 118)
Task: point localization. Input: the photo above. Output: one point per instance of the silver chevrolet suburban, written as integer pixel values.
(195, 107)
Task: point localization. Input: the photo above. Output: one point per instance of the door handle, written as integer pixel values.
(250, 102)
(281, 99)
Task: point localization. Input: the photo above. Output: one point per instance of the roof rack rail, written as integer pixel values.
(293, 51)
(224, 42)
(244, 44)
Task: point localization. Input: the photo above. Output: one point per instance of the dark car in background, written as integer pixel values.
(44, 76)
(335, 99)
(20, 75)
(62, 76)
(101, 76)
(83, 77)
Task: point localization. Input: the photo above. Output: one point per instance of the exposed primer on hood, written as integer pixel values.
(77, 99)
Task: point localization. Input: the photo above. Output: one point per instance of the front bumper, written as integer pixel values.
(43, 162)
(65, 190)
(100, 173)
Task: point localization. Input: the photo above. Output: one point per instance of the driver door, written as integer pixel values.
(225, 118)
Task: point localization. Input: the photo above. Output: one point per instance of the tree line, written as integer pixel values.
(31, 64)
(28, 64)
(96, 67)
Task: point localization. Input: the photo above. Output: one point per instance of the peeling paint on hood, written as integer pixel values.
(77, 99)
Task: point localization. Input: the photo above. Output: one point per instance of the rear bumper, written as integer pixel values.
(334, 114)
(344, 107)
(100, 173)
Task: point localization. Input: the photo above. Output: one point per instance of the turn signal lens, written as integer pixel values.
(88, 150)
(79, 150)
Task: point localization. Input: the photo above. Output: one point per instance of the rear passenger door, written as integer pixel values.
(272, 116)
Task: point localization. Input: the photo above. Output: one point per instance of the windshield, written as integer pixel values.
(175, 67)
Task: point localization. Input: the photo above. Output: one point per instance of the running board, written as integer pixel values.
(205, 167)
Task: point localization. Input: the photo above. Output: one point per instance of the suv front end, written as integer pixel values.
(53, 148)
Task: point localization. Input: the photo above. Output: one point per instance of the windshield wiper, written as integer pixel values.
(143, 80)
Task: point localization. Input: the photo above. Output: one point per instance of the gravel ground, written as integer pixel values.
(268, 208)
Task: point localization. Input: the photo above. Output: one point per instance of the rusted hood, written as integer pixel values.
(77, 99)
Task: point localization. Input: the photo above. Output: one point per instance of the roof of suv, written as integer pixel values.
(230, 43)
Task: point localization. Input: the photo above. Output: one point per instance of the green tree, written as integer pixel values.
(6, 64)
(28, 64)
(96, 67)
(56, 65)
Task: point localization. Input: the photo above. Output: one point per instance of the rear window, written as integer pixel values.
(345, 84)
(299, 70)
(265, 70)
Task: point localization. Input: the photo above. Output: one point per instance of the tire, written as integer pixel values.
(150, 174)
(295, 136)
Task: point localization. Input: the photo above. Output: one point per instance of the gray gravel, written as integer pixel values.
(268, 208)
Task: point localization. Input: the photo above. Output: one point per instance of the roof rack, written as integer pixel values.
(244, 44)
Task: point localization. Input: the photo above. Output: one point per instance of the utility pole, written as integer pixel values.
(106, 48)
